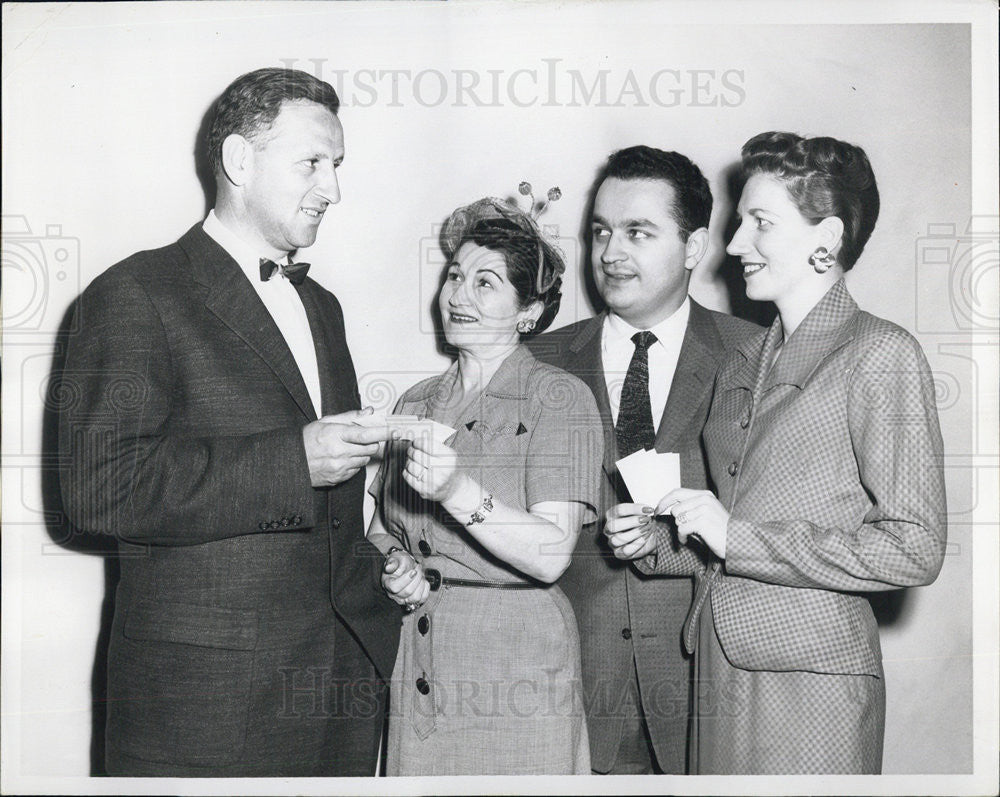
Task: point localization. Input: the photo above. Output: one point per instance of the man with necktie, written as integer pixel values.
(650, 361)
(211, 432)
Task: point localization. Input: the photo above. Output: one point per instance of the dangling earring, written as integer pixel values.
(821, 260)
(525, 325)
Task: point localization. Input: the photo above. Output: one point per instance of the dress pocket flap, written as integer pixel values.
(189, 624)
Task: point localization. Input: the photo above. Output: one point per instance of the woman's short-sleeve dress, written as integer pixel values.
(487, 681)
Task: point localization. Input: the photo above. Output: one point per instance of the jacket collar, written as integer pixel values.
(509, 382)
(702, 350)
(586, 363)
(826, 328)
(211, 264)
(586, 335)
(230, 296)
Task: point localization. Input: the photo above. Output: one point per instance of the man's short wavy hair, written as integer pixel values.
(251, 103)
(692, 207)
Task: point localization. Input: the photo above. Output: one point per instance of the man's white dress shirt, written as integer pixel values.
(617, 349)
(281, 300)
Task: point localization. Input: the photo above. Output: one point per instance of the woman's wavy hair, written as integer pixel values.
(824, 177)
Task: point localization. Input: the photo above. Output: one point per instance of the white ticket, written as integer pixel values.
(408, 427)
(650, 475)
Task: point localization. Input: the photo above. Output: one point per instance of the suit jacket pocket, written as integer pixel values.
(771, 627)
(180, 679)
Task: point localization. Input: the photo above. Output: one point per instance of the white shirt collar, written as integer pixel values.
(281, 301)
(242, 252)
(617, 331)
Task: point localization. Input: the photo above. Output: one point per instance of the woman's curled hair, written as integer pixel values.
(824, 177)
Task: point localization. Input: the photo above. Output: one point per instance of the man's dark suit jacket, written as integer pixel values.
(249, 628)
(619, 610)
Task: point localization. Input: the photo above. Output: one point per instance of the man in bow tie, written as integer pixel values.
(650, 361)
(213, 436)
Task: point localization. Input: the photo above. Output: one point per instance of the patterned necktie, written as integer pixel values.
(295, 272)
(634, 430)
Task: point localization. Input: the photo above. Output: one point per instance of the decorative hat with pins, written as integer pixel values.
(466, 218)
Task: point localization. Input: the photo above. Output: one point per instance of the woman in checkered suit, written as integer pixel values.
(824, 447)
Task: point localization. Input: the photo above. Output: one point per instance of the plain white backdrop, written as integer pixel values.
(443, 104)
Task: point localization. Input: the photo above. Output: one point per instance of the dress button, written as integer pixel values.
(335, 522)
(732, 468)
(422, 686)
(626, 633)
(423, 624)
(425, 547)
(433, 578)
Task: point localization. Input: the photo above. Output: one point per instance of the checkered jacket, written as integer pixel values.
(830, 464)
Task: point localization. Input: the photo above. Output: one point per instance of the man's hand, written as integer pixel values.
(337, 448)
(629, 529)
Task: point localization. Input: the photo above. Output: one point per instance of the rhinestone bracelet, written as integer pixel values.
(484, 509)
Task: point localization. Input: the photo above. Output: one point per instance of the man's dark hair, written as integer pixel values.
(692, 206)
(251, 103)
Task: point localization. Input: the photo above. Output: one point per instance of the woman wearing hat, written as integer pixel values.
(477, 529)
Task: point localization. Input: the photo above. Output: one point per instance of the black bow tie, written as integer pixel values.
(296, 272)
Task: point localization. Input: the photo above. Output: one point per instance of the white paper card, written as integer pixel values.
(408, 427)
(650, 475)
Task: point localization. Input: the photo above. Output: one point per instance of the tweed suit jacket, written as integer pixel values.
(623, 614)
(244, 591)
(830, 463)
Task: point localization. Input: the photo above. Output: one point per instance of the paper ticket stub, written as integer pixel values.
(408, 427)
(650, 475)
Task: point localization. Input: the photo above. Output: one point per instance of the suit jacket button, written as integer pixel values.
(335, 522)
(297, 520)
(744, 421)
(732, 468)
(626, 633)
(423, 625)
(286, 522)
(262, 526)
(425, 547)
(275, 524)
(422, 686)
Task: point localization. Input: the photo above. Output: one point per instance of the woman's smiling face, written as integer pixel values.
(774, 240)
(479, 306)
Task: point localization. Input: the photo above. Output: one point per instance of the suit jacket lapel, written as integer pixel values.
(692, 382)
(233, 300)
(324, 351)
(585, 361)
(338, 382)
